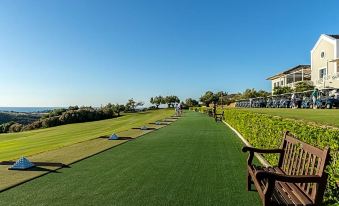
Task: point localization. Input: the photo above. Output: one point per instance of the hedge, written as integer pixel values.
(266, 131)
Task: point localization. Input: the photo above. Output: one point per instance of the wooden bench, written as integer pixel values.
(299, 178)
(219, 117)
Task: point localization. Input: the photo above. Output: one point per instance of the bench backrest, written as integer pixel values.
(300, 158)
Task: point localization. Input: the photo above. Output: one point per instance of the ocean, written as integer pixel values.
(26, 109)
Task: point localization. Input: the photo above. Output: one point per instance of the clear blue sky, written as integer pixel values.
(60, 53)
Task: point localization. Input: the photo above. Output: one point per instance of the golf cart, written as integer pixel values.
(307, 100)
(297, 102)
(269, 102)
(275, 101)
(326, 99)
(285, 101)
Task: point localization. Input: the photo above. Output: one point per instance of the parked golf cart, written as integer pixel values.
(326, 100)
(285, 101)
(306, 102)
(258, 102)
(296, 103)
(269, 102)
(276, 101)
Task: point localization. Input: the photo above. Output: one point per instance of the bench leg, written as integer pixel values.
(249, 181)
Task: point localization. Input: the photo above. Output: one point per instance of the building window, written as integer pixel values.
(322, 73)
(282, 83)
(337, 67)
(322, 54)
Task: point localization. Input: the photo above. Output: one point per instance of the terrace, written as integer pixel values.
(291, 76)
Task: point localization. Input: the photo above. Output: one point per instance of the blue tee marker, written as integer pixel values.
(143, 128)
(113, 137)
(22, 164)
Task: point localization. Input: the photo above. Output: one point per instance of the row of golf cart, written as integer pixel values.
(327, 98)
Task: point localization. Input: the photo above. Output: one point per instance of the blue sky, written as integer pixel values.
(60, 53)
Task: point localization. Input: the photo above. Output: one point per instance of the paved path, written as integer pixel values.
(194, 161)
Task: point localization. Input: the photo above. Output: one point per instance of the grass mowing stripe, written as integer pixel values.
(14, 145)
(194, 161)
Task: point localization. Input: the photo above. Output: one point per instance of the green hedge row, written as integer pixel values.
(266, 131)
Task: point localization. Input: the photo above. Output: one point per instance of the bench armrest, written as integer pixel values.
(257, 150)
(287, 178)
(252, 150)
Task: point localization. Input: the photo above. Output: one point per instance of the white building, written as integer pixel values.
(291, 76)
(323, 71)
(324, 61)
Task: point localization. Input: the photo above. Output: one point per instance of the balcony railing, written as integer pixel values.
(327, 78)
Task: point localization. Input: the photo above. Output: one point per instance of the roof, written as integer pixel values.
(332, 38)
(336, 36)
(296, 68)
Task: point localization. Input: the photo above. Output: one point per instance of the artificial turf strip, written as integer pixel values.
(194, 161)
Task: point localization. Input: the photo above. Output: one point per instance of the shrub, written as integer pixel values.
(16, 127)
(265, 131)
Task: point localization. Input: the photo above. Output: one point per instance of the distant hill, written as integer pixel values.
(22, 118)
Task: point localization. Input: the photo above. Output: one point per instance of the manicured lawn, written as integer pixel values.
(15, 145)
(322, 116)
(194, 161)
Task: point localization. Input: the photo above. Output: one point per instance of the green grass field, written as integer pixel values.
(323, 116)
(14, 145)
(193, 161)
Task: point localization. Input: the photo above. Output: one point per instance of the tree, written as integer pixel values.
(130, 105)
(171, 100)
(191, 102)
(139, 104)
(249, 93)
(158, 100)
(118, 108)
(262, 93)
(303, 86)
(108, 110)
(208, 98)
(252, 93)
(282, 90)
(222, 97)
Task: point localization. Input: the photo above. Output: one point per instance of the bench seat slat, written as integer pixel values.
(296, 191)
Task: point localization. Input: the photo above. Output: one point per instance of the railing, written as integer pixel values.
(328, 77)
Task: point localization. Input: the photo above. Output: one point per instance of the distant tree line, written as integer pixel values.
(169, 100)
(22, 118)
(73, 114)
(225, 98)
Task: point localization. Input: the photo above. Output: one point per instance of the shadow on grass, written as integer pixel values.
(119, 138)
(169, 120)
(38, 169)
(46, 164)
(144, 129)
(160, 123)
(126, 138)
